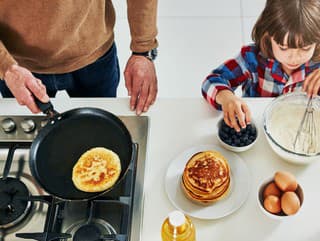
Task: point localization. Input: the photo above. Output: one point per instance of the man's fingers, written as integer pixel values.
(26, 98)
(134, 98)
(151, 98)
(143, 95)
(128, 82)
(29, 102)
(37, 89)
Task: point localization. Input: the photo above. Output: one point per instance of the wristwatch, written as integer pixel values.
(151, 54)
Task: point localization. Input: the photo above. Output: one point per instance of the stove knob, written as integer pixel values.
(8, 125)
(28, 125)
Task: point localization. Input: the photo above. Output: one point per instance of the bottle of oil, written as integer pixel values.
(178, 227)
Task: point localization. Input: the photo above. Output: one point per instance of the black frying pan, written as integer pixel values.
(61, 142)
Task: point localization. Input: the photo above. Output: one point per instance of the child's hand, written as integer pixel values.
(236, 113)
(312, 83)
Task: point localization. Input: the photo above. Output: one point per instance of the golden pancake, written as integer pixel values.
(96, 170)
(206, 177)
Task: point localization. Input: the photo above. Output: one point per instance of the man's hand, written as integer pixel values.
(141, 83)
(24, 86)
(233, 108)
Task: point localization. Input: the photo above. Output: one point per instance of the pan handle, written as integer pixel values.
(47, 108)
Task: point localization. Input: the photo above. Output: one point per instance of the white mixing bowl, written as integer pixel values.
(297, 102)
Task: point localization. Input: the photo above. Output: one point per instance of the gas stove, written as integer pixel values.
(28, 212)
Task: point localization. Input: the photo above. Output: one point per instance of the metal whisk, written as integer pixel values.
(306, 139)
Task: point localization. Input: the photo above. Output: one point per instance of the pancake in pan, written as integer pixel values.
(96, 170)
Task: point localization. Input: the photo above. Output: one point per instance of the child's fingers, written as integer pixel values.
(311, 82)
(315, 83)
(306, 82)
(226, 118)
(247, 113)
(241, 117)
(234, 122)
(316, 88)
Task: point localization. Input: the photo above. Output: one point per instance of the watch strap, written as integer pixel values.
(151, 55)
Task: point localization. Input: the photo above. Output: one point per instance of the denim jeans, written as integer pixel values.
(99, 79)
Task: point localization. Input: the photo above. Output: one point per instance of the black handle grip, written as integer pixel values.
(44, 107)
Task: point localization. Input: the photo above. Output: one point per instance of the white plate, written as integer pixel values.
(238, 193)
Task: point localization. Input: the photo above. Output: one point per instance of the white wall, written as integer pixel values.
(194, 37)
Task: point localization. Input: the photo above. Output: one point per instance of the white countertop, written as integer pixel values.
(178, 124)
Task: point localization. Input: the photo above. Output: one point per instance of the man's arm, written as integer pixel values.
(140, 74)
(6, 60)
(142, 17)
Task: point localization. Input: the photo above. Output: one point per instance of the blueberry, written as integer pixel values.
(228, 141)
(226, 129)
(243, 139)
(237, 142)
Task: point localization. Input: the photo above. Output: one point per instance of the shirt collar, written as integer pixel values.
(278, 74)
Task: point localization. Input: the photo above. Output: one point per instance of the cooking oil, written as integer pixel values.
(178, 227)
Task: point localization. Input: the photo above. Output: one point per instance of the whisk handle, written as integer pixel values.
(302, 121)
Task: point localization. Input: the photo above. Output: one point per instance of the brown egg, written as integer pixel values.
(285, 181)
(271, 189)
(290, 203)
(272, 204)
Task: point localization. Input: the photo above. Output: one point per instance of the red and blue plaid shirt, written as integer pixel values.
(258, 76)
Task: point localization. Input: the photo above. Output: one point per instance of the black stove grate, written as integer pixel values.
(111, 212)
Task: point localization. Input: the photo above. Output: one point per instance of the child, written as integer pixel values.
(284, 58)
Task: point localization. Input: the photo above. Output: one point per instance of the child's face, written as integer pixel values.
(291, 58)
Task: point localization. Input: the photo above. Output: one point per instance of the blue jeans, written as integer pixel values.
(99, 79)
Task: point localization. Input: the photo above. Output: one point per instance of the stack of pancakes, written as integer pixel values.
(206, 177)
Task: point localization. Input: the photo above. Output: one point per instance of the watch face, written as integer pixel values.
(154, 53)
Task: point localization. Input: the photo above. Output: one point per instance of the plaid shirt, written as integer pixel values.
(258, 76)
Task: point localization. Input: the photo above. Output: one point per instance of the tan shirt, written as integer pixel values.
(59, 36)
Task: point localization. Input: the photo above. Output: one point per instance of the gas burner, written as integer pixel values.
(87, 232)
(14, 204)
(25, 181)
(93, 231)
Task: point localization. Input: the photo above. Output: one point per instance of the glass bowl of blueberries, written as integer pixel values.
(235, 141)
